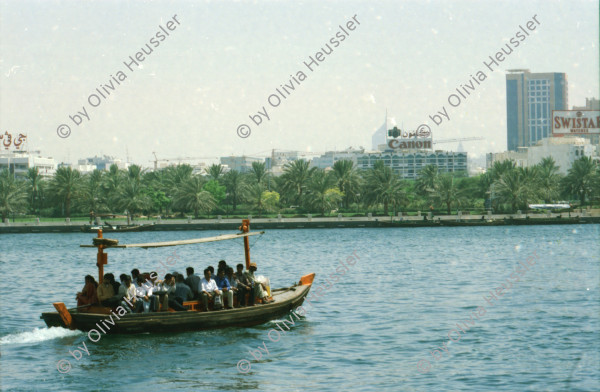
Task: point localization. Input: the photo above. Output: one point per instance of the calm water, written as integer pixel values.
(375, 329)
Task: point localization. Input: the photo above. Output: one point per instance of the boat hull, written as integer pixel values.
(117, 229)
(285, 300)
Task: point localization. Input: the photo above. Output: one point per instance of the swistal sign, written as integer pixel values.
(575, 122)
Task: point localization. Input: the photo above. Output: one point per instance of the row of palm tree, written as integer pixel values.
(301, 188)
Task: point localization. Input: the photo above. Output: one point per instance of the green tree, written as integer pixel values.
(216, 190)
(89, 194)
(425, 183)
(13, 194)
(64, 187)
(581, 179)
(177, 175)
(548, 180)
(270, 200)
(348, 180)
(446, 191)
(318, 195)
(35, 188)
(135, 173)
(132, 197)
(112, 182)
(296, 176)
(235, 187)
(192, 196)
(259, 173)
(383, 187)
(215, 172)
(255, 197)
(515, 188)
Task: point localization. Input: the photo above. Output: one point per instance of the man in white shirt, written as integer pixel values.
(145, 299)
(208, 290)
(128, 291)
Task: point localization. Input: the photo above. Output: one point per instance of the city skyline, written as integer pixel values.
(222, 62)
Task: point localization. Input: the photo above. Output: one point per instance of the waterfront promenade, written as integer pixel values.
(308, 222)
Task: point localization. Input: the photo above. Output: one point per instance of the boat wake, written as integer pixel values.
(37, 335)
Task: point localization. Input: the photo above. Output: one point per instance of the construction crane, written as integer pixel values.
(462, 139)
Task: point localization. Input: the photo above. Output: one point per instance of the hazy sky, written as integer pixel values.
(225, 58)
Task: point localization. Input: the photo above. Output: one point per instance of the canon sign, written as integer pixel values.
(408, 144)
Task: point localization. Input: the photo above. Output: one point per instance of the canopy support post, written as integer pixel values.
(244, 228)
(101, 259)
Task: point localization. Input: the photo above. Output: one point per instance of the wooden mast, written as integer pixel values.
(102, 259)
(244, 228)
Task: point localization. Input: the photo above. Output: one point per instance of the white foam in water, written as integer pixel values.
(38, 335)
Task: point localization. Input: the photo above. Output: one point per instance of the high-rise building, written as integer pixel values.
(530, 100)
(379, 137)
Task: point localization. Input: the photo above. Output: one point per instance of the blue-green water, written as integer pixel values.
(377, 328)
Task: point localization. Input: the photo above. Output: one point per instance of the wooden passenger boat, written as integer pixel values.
(108, 228)
(103, 318)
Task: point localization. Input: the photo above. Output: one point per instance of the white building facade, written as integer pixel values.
(19, 162)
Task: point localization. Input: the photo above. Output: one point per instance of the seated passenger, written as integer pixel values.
(129, 293)
(114, 283)
(135, 273)
(145, 300)
(192, 281)
(182, 291)
(233, 281)
(167, 289)
(258, 289)
(243, 285)
(105, 292)
(224, 285)
(209, 291)
(88, 295)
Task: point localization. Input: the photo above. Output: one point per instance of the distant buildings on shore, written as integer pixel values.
(564, 151)
(19, 162)
(539, 125)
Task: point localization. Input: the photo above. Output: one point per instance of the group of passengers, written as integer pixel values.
(143, 292)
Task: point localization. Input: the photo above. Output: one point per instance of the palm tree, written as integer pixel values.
(235, 186)
(35, 185)
(425, 184)
(13, 194)
(133, 198)
(64, 187)
(90, 192)
(383, 186)
(348, 180)
(446, 190)
(515, 189)
(581, 179)
(111, 184)
(255, 196)
(488, 180)
(192, 196)
(319, 194)
(177, 175)
(501, 167)
(135, 172)
(295, 177)
(259, 173)
(157, 187)
(215, 172)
